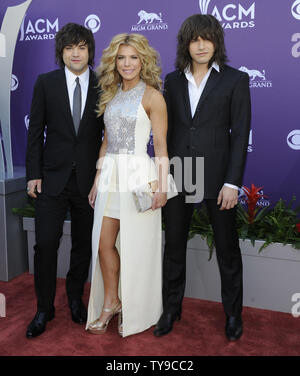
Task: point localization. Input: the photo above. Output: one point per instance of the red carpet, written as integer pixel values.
(200, 331)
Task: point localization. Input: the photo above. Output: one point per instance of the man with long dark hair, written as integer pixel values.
(209, 115)
(61, 169)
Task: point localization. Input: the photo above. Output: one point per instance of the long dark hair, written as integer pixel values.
(71, 34)
(207, 27)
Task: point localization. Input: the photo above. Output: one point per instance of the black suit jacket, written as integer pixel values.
(52, 161)
(219, 130)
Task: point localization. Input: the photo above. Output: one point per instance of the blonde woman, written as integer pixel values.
(126, 268)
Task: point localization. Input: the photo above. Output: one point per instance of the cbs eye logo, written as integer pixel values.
(296, 9)
(26, 121)
(293, 139)
(14, 82)
(92, 22)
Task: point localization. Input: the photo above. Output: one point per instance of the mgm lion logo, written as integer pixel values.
(257, 78)
(149, 17)
(253, 73)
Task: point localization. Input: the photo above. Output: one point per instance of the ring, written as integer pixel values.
(28, 189)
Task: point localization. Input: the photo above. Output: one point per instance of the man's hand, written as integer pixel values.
(34, 186)
(228, 198)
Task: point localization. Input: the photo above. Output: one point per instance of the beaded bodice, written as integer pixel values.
(120, 119)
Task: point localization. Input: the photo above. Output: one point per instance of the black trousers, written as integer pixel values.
(177, 217)
(50, 214)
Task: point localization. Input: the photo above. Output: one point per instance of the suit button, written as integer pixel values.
(188, 148)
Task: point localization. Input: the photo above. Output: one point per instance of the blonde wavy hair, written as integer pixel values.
(109, 77)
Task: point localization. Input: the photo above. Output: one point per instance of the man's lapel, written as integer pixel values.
(90, 101)
(210, 84)
(186, 98)
(62, 93)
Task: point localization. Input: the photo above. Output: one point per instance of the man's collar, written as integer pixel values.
(214, 65)
(70, 76)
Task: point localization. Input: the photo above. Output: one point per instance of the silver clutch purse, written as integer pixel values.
(142, 195)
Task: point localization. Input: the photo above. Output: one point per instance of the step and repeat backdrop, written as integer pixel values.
(262, 38)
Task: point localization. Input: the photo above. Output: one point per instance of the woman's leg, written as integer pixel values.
(109, 263)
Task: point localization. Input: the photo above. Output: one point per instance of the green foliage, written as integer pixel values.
(200, 225)
(26, 211)
(276, 224)
(29, 209)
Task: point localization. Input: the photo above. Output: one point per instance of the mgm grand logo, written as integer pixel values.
(257, 78)
(149, 22)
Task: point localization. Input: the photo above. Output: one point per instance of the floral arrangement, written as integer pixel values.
(279, 223)
(252, 197)
(276, 224)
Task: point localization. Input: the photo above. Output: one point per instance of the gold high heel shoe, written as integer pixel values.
(99, 327)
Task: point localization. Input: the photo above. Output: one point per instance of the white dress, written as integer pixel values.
(126, 165)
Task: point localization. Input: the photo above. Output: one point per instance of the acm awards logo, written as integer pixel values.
(149, 22)
(41, 29)
(46, 29)
(231, 16)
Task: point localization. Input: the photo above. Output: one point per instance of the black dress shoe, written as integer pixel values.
(38, 324)
(234, 327)
(78, 311)
(165, 323)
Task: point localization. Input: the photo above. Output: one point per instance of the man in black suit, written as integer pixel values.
(61, 169)
(209, 115)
